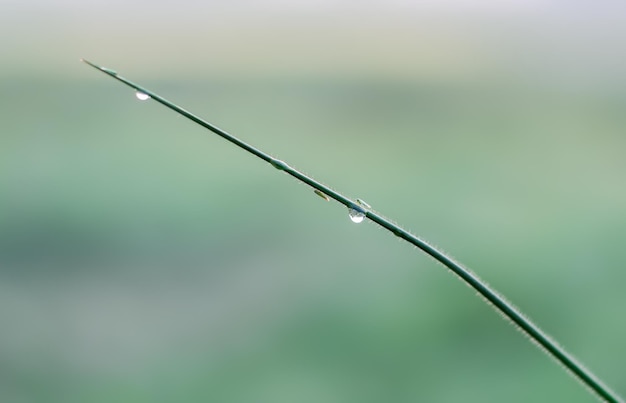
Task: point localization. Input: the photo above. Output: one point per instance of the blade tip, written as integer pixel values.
(103, 69)
(82, 59)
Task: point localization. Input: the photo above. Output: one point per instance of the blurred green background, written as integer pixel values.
(143, 259)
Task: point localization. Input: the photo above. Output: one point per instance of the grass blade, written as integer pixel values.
(500, 303)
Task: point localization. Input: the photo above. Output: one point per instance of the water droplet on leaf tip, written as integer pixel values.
(356, 216)
(142, 96)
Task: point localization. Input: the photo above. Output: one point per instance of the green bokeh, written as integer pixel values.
(143, 259)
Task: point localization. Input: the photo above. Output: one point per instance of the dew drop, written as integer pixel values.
(278, 164)
(142, 96)
(356, 216)
(109, 71)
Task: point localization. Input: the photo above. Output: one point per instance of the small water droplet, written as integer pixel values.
(356, 216)
(142, 96)
(278, 164)
(363, 203)
(109, 71)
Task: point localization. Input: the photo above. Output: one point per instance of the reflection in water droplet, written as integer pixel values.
(356, 216)
(142, 96)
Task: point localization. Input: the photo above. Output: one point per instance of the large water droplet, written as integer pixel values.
(356, 216)
(142, 96)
